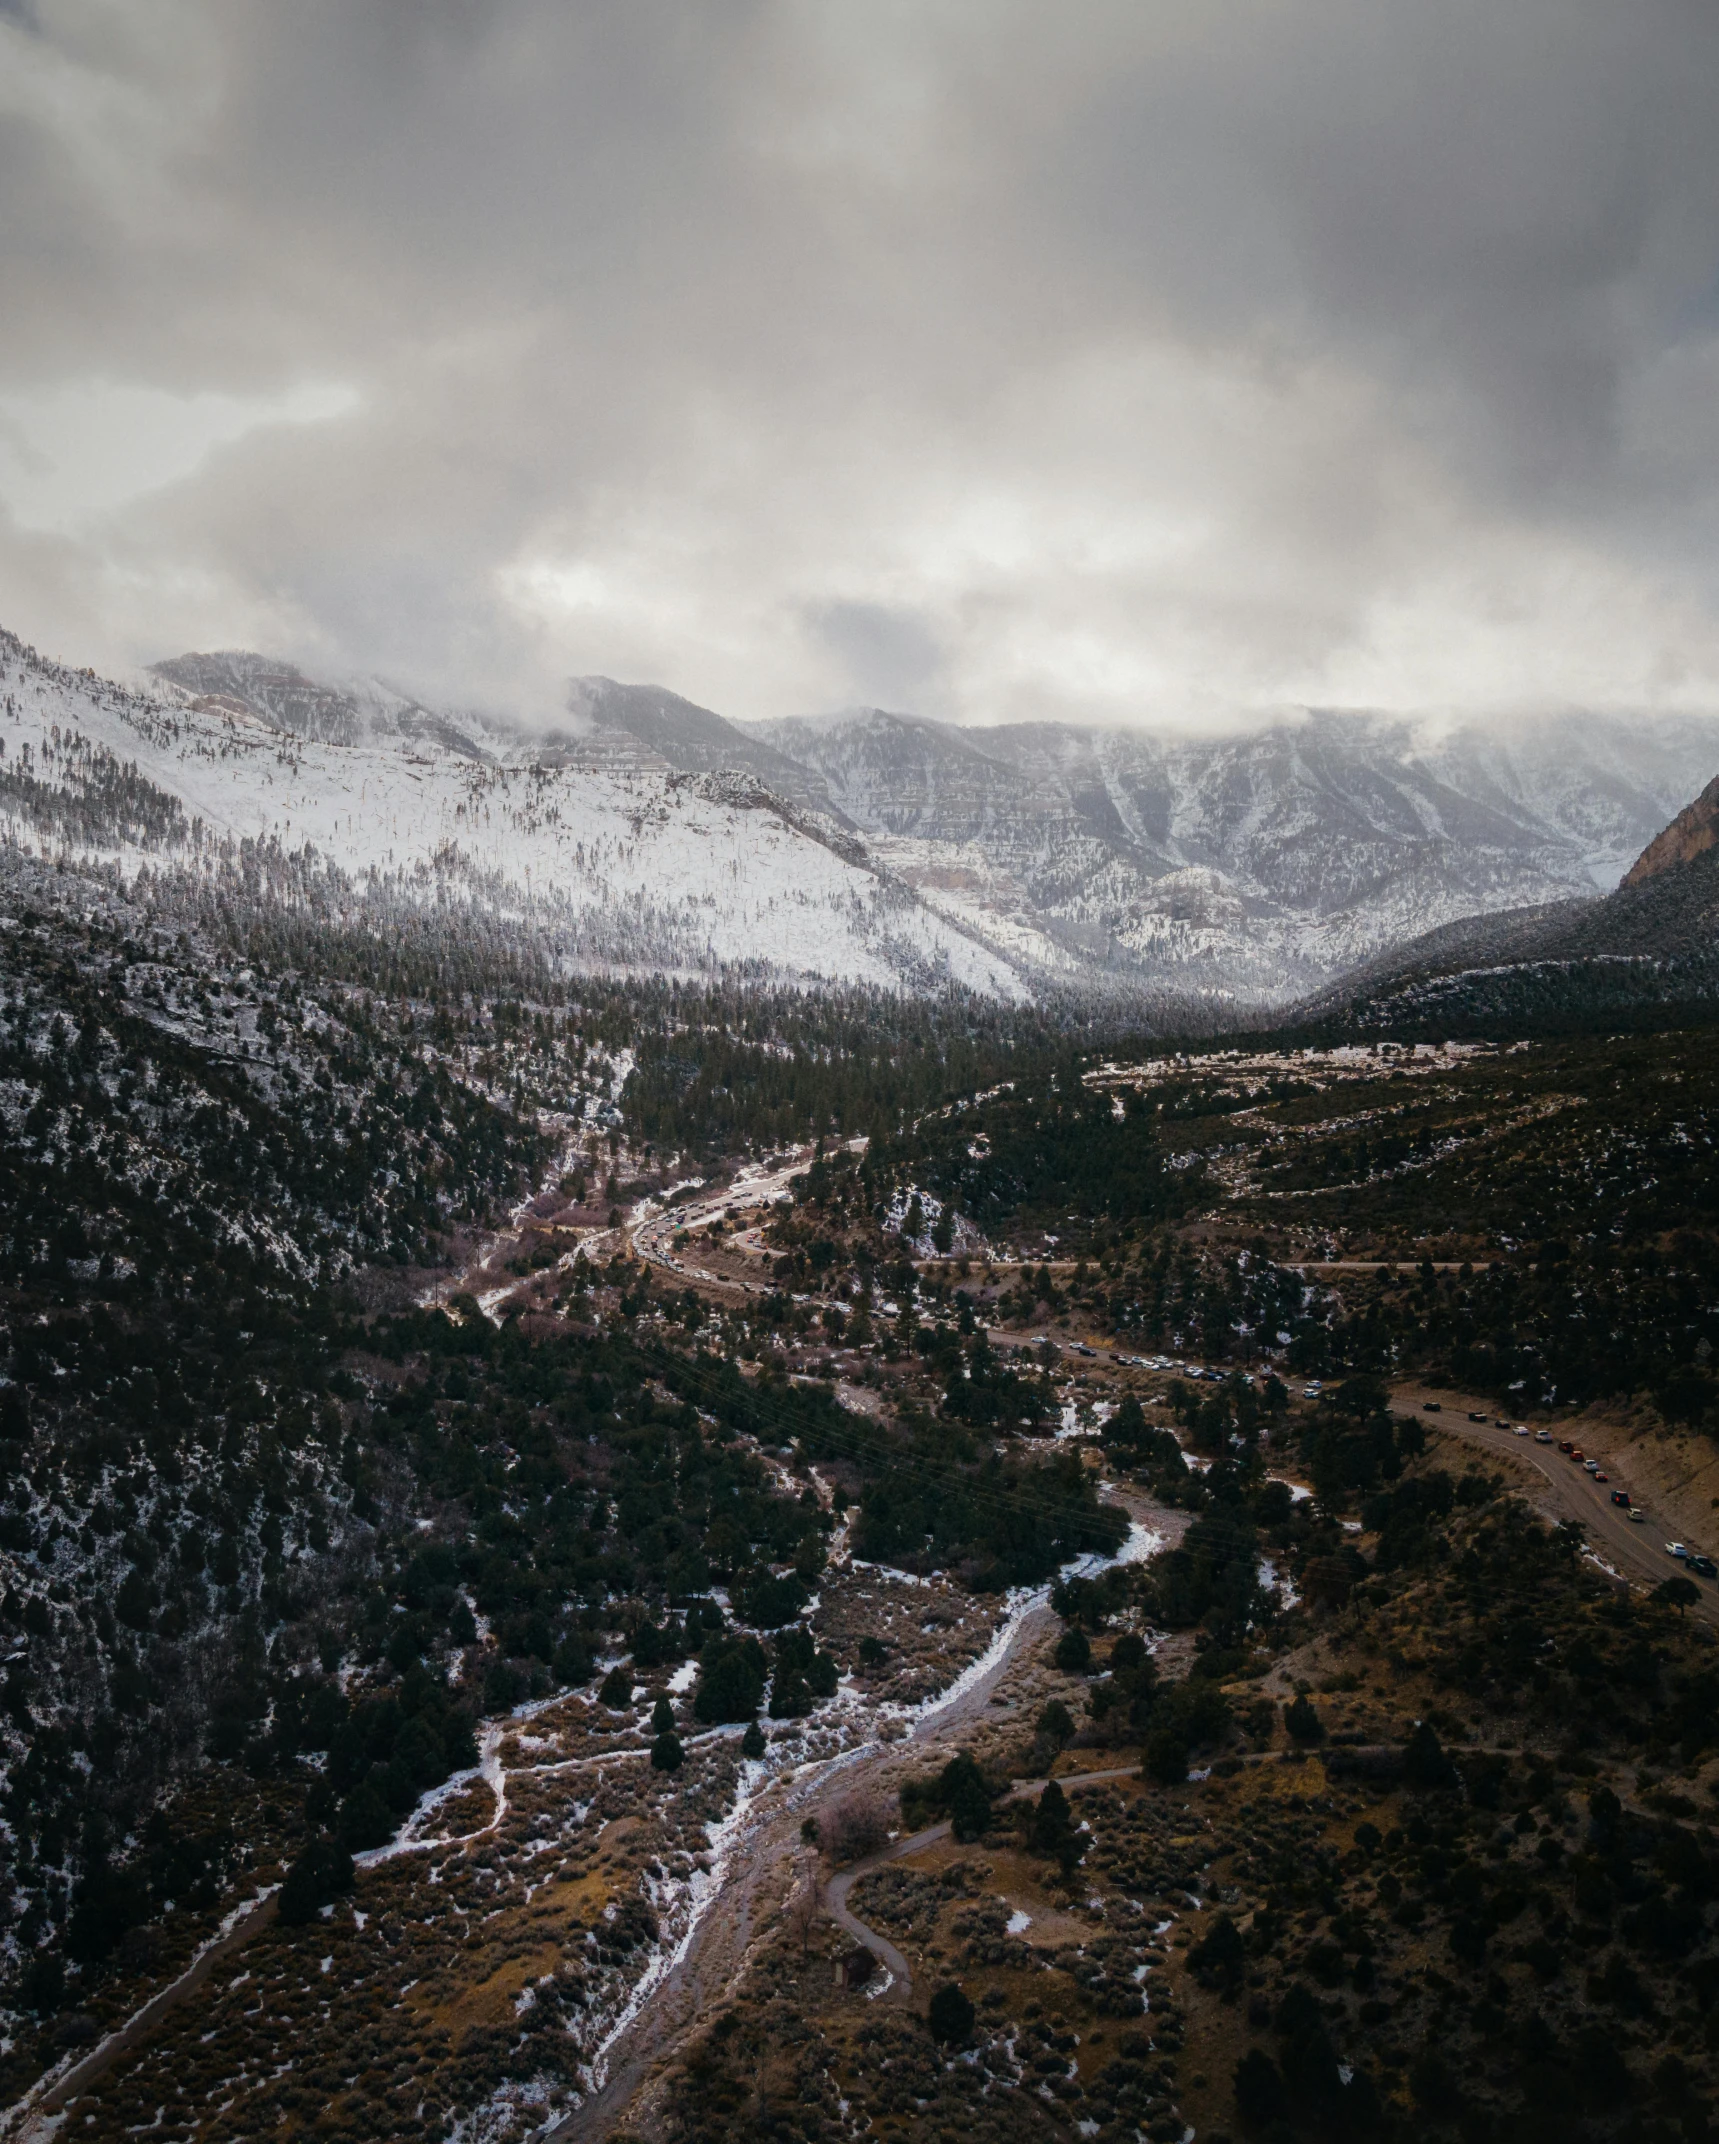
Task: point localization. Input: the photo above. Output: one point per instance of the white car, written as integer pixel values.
(1677, 1549)
(1522, 1429)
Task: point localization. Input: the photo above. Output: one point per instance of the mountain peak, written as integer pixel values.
(276, 692)
(1694, 831)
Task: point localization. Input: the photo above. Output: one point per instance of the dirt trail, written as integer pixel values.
(43, 2110)
(761, 1869)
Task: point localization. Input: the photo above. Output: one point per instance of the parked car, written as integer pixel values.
(1704, 1566)
(1566, 1446)
(1620, 1497)
(1433, 1406)
(1590, 1466)
(1677, 1549)
(1600, 1474)
(1478, 1417)
(1542, 1436)
(1636, 1513)
(1522, 1429)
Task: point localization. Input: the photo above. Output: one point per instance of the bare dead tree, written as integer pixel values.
(803, 1903)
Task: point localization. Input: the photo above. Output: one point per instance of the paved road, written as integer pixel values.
(1560, 1489)
(836, 1891)
(755, 1185)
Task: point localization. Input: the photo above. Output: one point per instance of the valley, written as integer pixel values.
(597, 1552)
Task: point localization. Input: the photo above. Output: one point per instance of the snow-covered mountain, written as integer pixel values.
(224, 759)
(650, 832)
(1293, 852)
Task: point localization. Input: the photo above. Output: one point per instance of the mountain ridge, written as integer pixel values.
(1647, 953)
(1217, 875)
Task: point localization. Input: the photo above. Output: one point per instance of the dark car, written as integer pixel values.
(1433, 1406)
(1704, 1566)
(1621, 1496)
(1478, 1417)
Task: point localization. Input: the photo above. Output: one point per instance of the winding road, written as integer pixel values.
(835, 1892)
(759, 1872)
(1559, 1489)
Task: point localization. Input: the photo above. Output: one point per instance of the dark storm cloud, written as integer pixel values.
(1111, 359)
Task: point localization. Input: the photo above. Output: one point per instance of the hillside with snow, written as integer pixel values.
(1274, 859)
(1184, 877)
(630, 863)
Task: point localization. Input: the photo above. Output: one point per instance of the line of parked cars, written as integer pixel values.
(1691, 1559)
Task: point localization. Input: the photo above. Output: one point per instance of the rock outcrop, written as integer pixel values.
(1692, 833)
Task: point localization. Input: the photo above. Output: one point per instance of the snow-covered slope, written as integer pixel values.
(630, 862)
(1293, 852)
(870, 847)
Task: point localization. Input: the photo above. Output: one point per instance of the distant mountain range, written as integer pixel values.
(1648, 949)
(1250, 866)
(1212, 874)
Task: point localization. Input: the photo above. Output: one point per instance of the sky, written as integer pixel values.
(1123, 362)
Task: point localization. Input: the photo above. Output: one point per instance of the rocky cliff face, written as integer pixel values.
(1692, 833)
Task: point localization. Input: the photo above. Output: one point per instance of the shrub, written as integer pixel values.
(321, 1874)
(958, 1792)
(730, 1679)
(1073, 1651)
(44, 1984)
(1425, 1764)
(1056, 1725)
(769, 1602)
(1217, 1957)
(1167, 1757)
(1260, 2097)
(1303, 1722)
(573, 1661)
(855, 1827)
(951, 2015)
(365, 1819)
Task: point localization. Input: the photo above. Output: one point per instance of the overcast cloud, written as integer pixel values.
(1124, 361)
